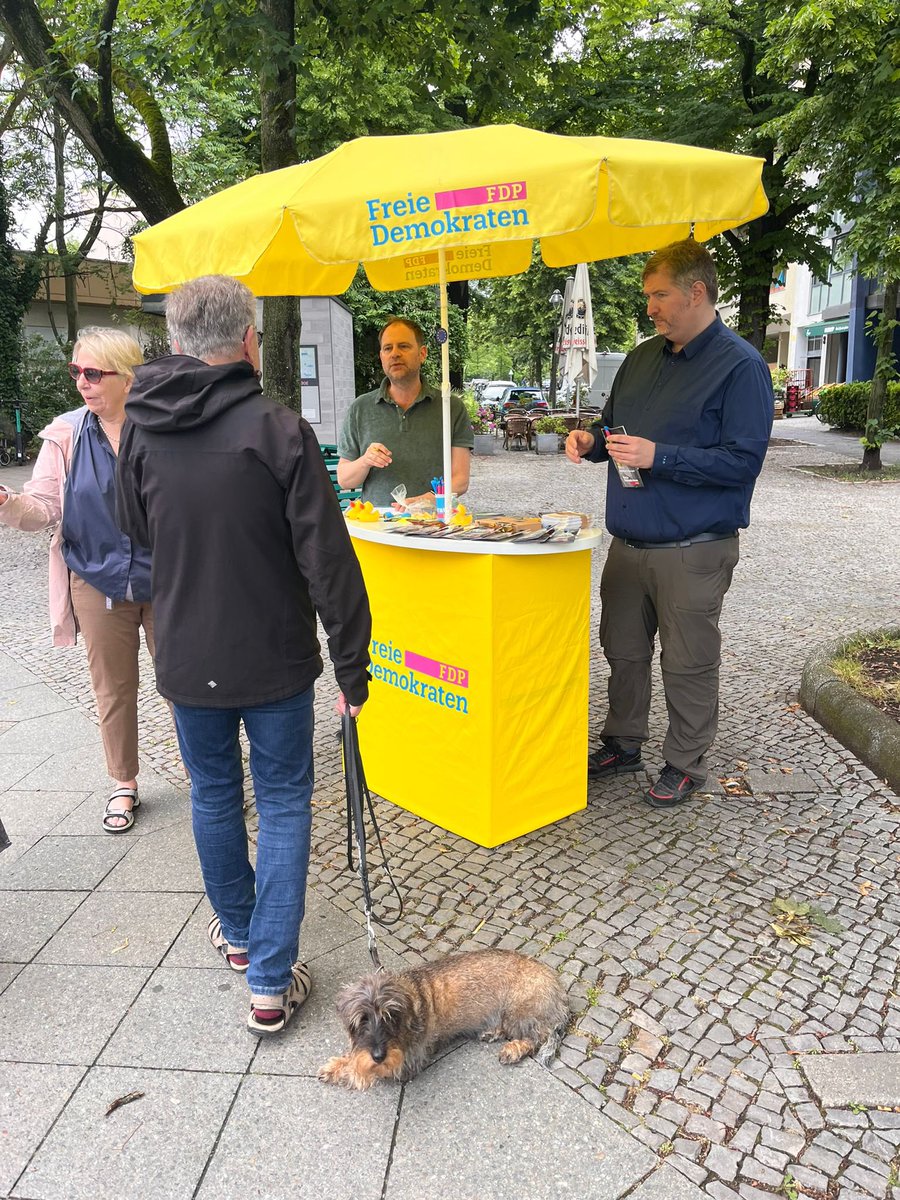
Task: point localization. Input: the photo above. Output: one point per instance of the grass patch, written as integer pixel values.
(853, 473)
(871, 666)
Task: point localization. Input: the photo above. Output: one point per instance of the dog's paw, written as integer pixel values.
(513, 1052)
(334, 1071)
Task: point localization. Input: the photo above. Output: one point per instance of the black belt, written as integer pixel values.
(698, 537)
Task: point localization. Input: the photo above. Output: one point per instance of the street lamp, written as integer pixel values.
(560, 305)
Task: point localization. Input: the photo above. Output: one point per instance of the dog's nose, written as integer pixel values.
(378, 1055)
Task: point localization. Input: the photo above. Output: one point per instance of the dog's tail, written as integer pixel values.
(546, 1053)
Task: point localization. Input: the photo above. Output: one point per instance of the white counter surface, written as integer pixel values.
(587, 539)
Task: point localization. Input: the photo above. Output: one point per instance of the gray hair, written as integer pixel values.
(209, 316)
(688, 263)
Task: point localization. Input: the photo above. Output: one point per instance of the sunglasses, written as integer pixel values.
(91, 374)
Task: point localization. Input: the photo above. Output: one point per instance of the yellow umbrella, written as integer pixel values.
(429, 208)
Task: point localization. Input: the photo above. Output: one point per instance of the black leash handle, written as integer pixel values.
(358, 800)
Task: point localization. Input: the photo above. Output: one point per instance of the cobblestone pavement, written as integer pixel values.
(695, 1018)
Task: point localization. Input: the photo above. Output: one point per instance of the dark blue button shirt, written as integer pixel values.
(709, 409)
(93, 546)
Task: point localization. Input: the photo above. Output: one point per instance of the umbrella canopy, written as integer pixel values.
(578, 344)
(431, 208)
(482, 195)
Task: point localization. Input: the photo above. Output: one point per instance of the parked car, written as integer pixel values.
(523, 397)
(491, 392)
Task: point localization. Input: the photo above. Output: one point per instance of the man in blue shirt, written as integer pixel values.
(689, 415)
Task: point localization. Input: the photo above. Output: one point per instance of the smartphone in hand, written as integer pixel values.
(630, 476)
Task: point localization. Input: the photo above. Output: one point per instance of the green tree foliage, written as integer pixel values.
(19, 277)
(848, 133)
(371, 310)
(512, 322)
(694, 72)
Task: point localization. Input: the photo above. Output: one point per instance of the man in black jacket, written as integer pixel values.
(230, 492)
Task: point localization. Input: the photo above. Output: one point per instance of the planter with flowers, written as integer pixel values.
(484, 427)
(548, 432)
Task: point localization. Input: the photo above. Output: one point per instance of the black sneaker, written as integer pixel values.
(612, 759)
(672, 788)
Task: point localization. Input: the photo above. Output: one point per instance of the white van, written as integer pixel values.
(608, 363)
(491, 392)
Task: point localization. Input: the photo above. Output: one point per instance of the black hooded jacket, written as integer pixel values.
(231, 493)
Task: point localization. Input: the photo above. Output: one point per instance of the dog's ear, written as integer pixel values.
(392, 999)
(357, 1001)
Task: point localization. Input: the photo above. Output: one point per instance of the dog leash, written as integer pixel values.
(357, 791)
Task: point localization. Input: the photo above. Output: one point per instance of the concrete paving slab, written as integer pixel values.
(30, 1100)
(324, 929)
(30, 919)
(162, 806)
(39, 812)
(313, 1142)
(667, 1184)
(79, 770)
(15, 767)
(64, 1014)
(843, 1079)
(8, 972)
(14, 674)
(31, 700)
(315, 1033)
(154, 1148)
(65, 863)
(186, 1020)
(506, 1131)
(160, 862)
(59, 731)
(20, 844)
(120, 929)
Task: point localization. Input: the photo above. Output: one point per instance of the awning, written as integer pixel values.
(814, 330)
(836, 326)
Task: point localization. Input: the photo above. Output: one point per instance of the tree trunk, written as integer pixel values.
(753, 312)
(278, 105)
(68, 263)
(884, 368)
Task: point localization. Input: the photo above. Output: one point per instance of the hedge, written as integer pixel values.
(844, 405)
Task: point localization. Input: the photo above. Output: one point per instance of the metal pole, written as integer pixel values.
(445, 386)
(20, 440)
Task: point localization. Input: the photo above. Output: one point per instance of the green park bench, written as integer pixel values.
(344, 495)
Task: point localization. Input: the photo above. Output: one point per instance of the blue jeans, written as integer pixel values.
(261, 911)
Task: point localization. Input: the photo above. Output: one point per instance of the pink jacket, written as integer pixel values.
(40, 506)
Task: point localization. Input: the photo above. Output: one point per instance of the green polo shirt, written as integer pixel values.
(413, 438)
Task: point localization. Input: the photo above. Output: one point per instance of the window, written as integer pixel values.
(814, 345)
(818, 295)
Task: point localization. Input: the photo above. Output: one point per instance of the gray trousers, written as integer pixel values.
(677, 592)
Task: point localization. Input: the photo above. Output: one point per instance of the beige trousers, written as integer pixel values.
(112, 640)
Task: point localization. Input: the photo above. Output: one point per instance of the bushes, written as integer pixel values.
(551, 425)
(844, 405)
(47, 389)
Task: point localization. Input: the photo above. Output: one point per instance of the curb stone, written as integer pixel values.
(849, 717)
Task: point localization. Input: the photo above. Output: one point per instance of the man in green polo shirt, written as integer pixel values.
(394, 434)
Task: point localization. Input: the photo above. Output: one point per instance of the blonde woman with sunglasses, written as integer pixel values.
(99, 579)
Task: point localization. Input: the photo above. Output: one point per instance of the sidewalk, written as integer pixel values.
(709, 1057)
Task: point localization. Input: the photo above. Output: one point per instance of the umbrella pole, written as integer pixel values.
(445, 384)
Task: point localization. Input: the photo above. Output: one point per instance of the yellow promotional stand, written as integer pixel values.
(477, 711)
